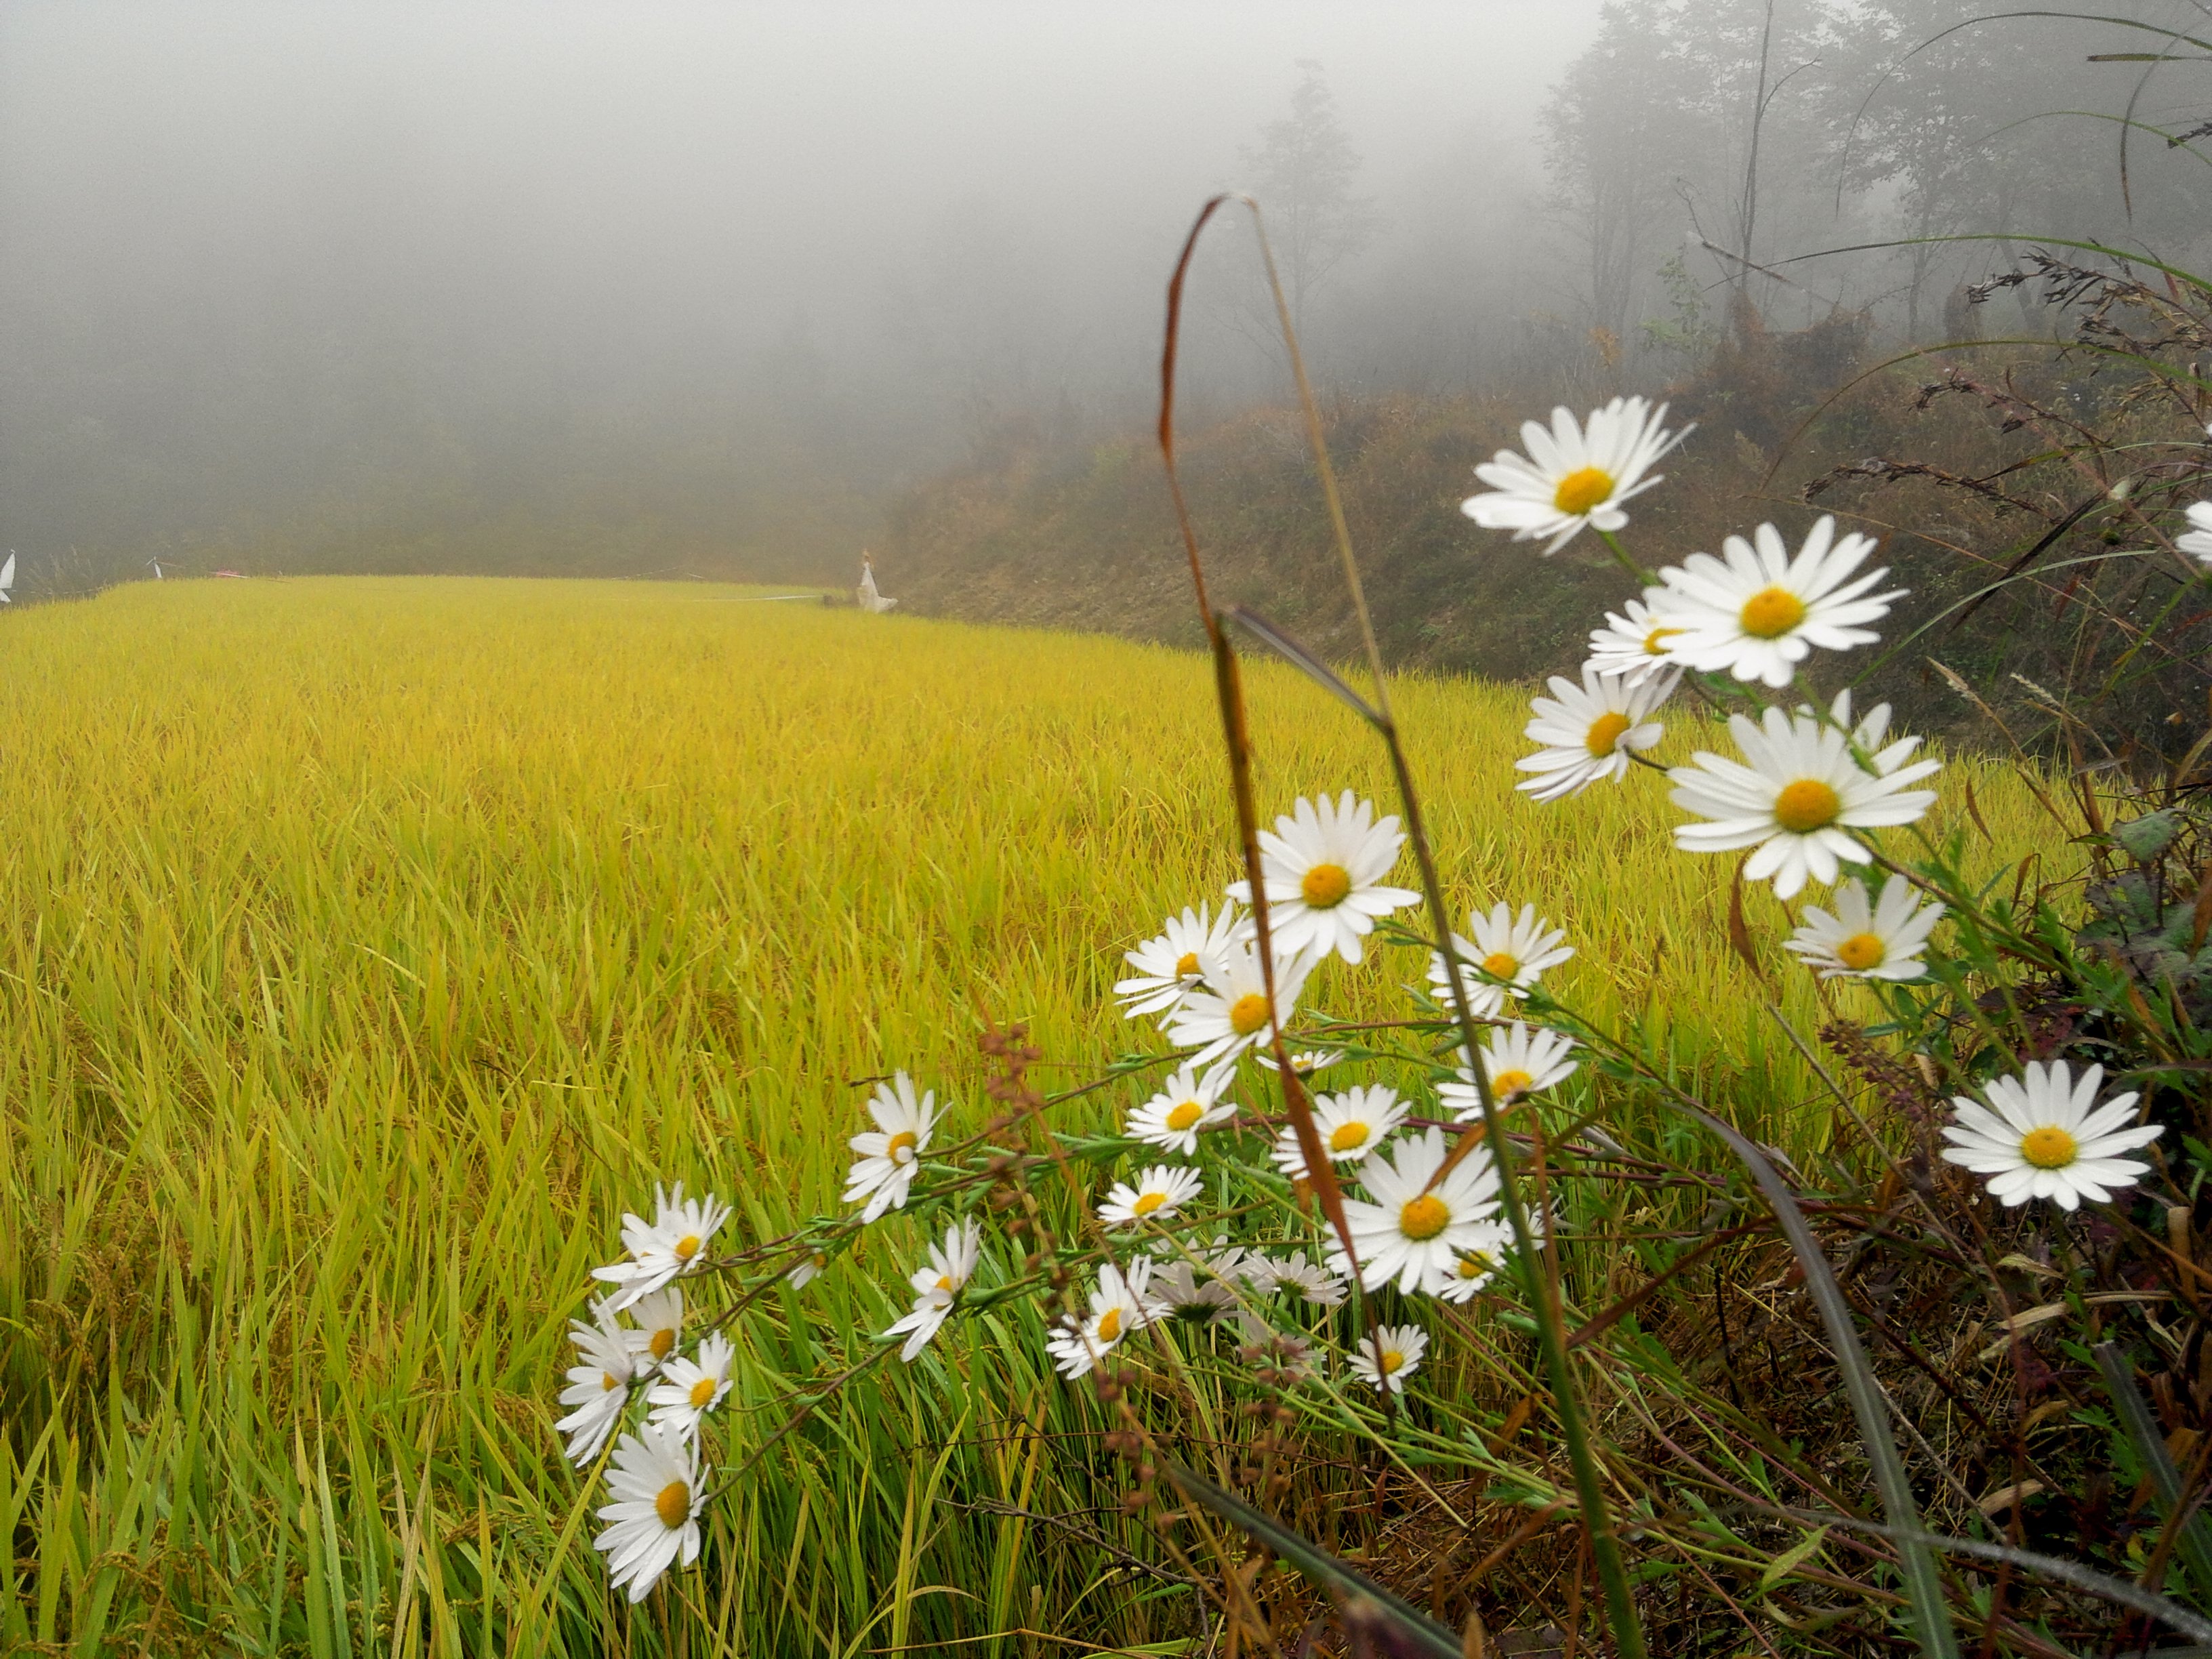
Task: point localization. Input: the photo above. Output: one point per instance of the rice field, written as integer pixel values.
(366, 947)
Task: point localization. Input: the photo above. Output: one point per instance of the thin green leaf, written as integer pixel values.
(1359, 1598)
(1292, 652)
(2195, 1540)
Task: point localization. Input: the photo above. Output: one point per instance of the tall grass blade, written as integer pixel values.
(2118, 1591)
(1294, 653)
(1551, 1323)
(1228, 692)
(1923, 1584)
(1361, 1602)
(2195, 1542)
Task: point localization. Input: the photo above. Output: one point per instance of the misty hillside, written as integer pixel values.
(1086, 540)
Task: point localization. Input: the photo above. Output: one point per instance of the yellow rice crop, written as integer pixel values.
(369, 946)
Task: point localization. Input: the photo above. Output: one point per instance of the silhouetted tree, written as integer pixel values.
(1304, 174)
(1975, 123)
(1686, 115)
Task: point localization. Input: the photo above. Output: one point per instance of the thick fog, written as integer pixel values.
(279, 270)
(659, 287)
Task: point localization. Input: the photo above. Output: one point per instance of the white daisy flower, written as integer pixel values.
(1519, 1060)
(1324, 863)
(1222, 1259)
(1859, 941)
(1228, 1261)
(2197, 540)
(1192, 1294)
(1171, 965)
(1304, 1277)
(1391, 1355)
(889, 1154)
(1350, 1125)
(1304, 1062)
(1478, 1263)
(656, 1323)
(1118, 1306)
(1868, 735)
(808, 1270)
(1413, 1230)
(1186, 1104)
(2044, 1136)
(690, 1389)
(654, 1520)
(1757, 613)
(674, 1243)
(937, 1286)
(1573, 475)
(1509, 955)
(1795, 801)
(598, 1383)
(1632, 645)
(1588, 732)
(1159, 1193)
(1228, 1013)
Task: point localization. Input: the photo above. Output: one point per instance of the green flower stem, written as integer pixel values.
(1621, 554)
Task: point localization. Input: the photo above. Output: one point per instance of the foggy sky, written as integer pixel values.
(741, 159)
(285, 243)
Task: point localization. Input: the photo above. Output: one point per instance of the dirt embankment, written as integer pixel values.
(1085, 539)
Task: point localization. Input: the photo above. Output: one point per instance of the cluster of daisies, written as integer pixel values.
(1420, 1220)
(1805, 784)
(1802, 782)
(1421, 1202)
(629, 1351)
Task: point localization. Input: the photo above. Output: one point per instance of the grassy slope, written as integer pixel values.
(370, 946)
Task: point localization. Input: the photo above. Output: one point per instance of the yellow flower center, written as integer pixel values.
(701, 1392)
(1187, 966)
(1425, 1217)
(1148, 1203)
(900, 1148)
(1346, 1137)
(1247, 1013)
(664, 1341)
(1109, 1325)
(1185, 1114)
(1771, 613)
(1605, 733)
(1862, 952)
(2048, 1148)
(687, 1247)
(944, 1283)
(1512, 1082)
(1325, 886)
(1392, 1360)
(1578, 492)
(1472, 1266)
(673, 1506)
(1806, 806)
(1498, 965)
(608, 1381)
(1651, 645)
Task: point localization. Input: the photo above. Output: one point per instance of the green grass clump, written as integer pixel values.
(369, 946)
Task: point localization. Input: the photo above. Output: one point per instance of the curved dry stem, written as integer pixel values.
(1589, 1488)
